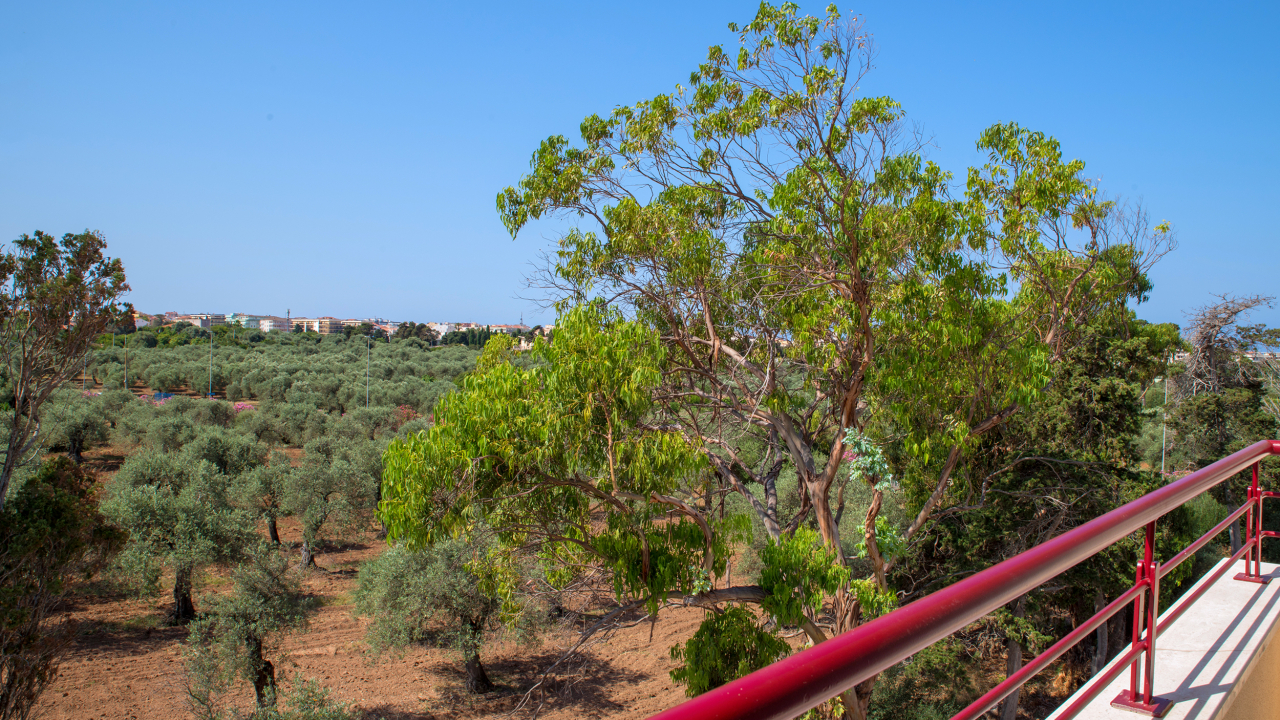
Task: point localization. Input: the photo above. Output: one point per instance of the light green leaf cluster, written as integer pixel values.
(556, 456)
(726, 646)
(799, 571)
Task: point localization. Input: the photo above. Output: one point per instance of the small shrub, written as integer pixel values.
(726, 646)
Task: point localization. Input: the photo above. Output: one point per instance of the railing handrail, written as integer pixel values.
(802, 681)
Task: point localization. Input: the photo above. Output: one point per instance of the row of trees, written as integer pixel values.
(206, 484)
(331, 373)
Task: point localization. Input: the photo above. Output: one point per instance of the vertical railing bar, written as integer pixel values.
(1153, 612)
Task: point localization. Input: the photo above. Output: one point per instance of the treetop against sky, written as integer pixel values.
(261, 159)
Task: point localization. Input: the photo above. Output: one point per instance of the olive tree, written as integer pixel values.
(178, 516)
(406, 591)
(234, 634)
(334, 487)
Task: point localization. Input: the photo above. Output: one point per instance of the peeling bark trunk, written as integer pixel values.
(184, 611)
(869, 536)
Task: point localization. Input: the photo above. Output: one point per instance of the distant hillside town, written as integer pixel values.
(327, 325)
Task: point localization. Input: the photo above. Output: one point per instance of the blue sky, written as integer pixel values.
(342, 159)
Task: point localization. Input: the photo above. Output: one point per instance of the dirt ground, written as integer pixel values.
(126, 663)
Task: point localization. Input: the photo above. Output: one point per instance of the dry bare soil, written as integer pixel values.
(126, 663)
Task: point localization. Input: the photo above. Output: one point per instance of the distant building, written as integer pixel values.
(278, 324)
(323, 325)
(204, 320)
(246, 321)
(441, 328)
(509, 329)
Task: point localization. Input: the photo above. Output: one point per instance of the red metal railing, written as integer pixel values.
(795, 684)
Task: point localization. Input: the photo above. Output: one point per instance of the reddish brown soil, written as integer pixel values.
(126, 663)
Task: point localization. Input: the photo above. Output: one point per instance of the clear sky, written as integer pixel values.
(343, 158)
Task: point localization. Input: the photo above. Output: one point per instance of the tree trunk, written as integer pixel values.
(477, 680)
(184, 611)
(1234, 530)
(272, 532)
(308, 559)
(264, 681)
(1101, 644)
(1013, 663)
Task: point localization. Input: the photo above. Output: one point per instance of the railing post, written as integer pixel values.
(1146, 611)
(1253, 535)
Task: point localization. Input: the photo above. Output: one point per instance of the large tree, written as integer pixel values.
(808, 280)
(56, 298)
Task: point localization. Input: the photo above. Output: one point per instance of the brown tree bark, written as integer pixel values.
(1013, 663)
(184, 611)
(264, 681)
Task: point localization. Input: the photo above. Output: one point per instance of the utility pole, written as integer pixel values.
(210, 358)
(368, 348)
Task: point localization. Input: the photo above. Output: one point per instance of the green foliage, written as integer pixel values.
(320, 375)
(264, 490)
(234, 634)
(178, 514)
(50, 534)
(866, 461)
(557, 454)
(409, 592)
(727, 645)
(331, 489)
(934, 684)
(798, 572)
(74, 423)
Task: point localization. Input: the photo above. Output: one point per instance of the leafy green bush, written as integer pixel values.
(50, 533)
(726, 646)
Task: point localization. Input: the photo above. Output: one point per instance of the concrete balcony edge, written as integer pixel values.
(1216, 661)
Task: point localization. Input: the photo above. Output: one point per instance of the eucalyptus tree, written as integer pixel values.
(811, 276)
(808, 285)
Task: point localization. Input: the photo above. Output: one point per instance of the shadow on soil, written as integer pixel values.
(585, 687)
